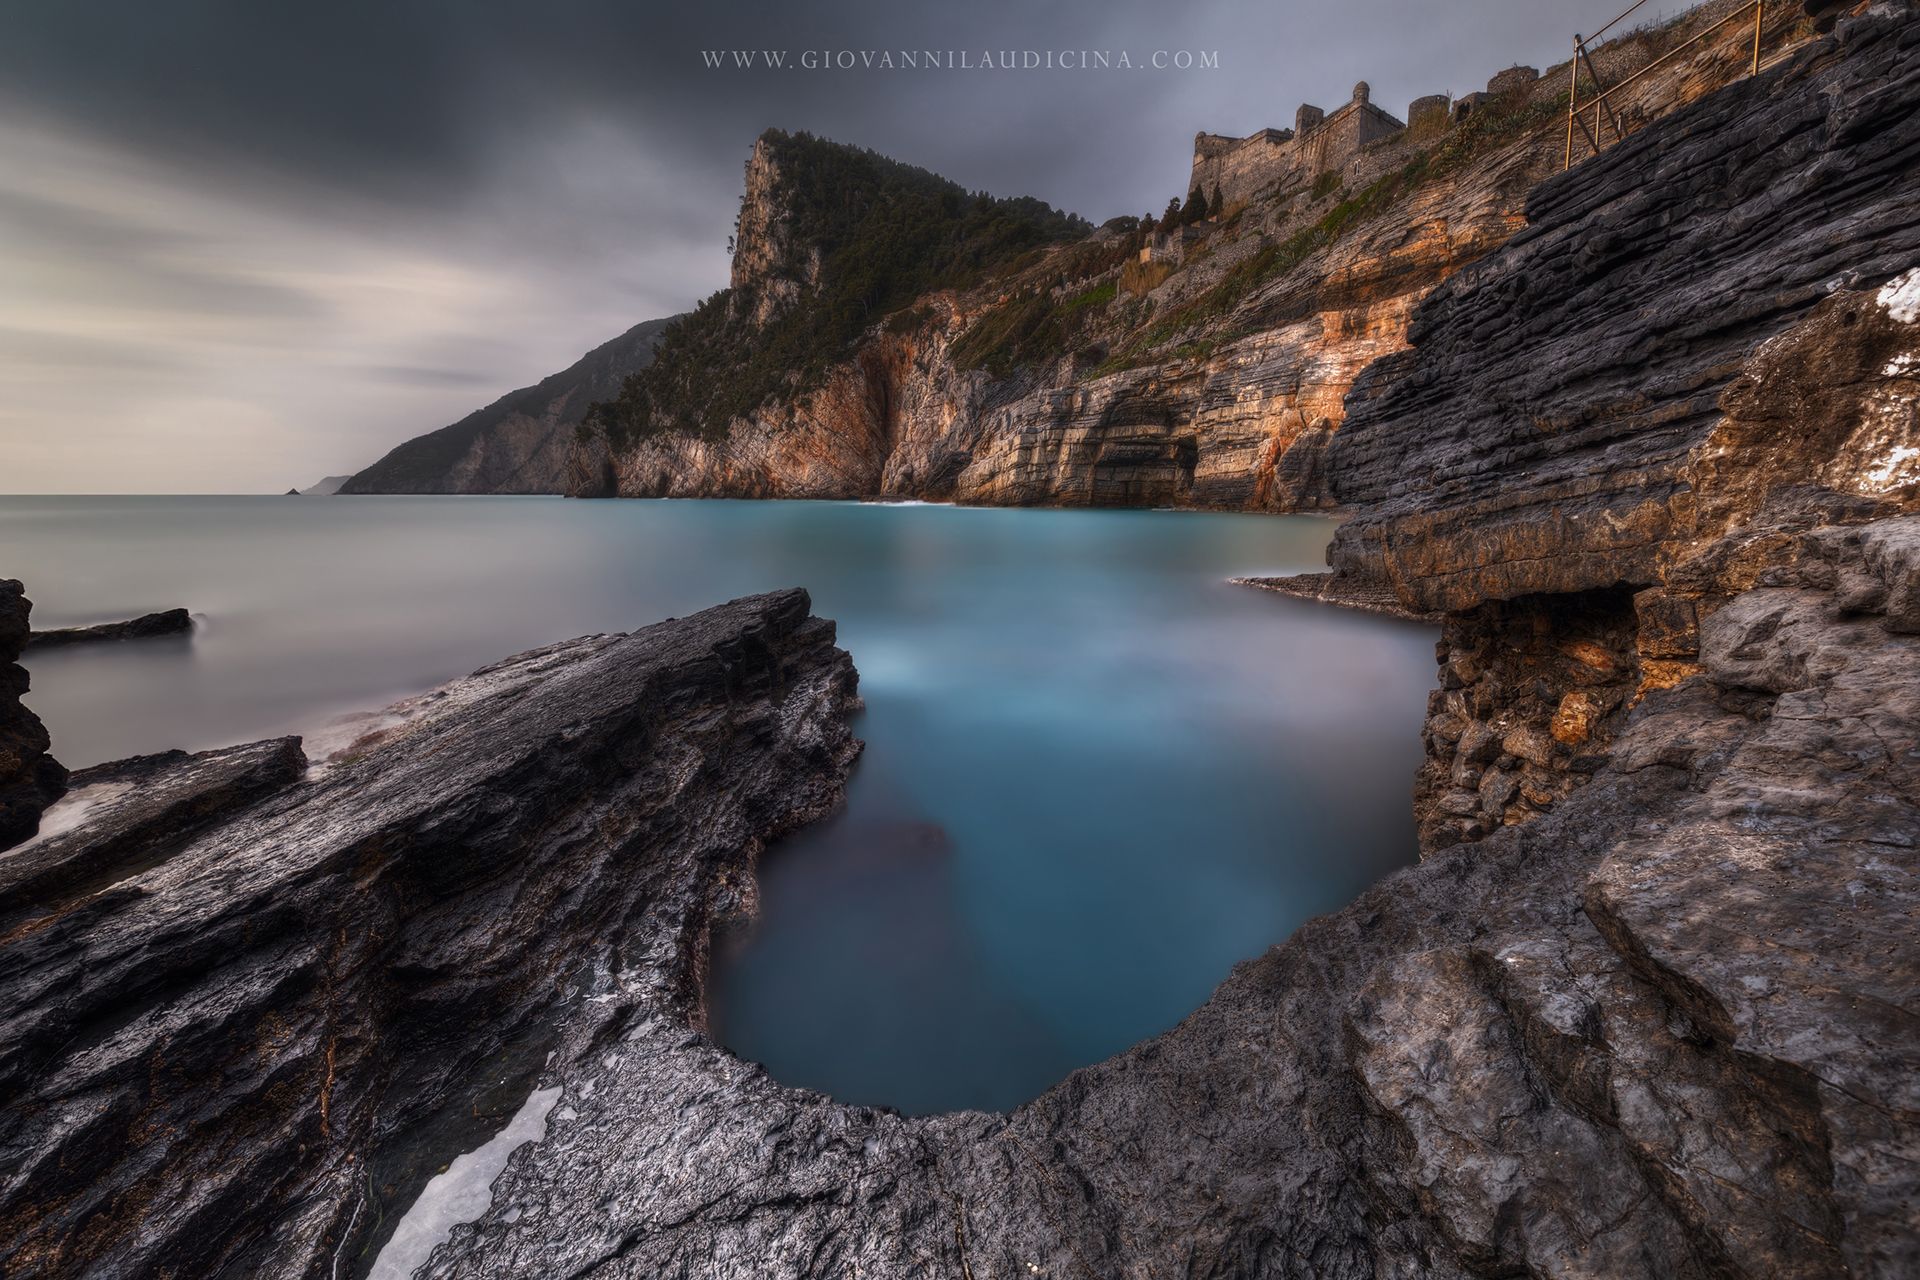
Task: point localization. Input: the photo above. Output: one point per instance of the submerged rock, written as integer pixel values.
(169, 622)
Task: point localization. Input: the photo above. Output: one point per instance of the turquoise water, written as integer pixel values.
(1097, 775)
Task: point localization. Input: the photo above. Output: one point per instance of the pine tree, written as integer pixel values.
(1217, 208)
(1195, 208)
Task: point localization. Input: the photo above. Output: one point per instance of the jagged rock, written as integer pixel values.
(169, 622)
(122, 816)
(1583, 1047)
(30, 779)
(1541, 434)
(260, 1010)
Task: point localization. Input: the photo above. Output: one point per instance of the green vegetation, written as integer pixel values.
(885, 233)
(1495, 124)
(1030, 330)
(1271, 260)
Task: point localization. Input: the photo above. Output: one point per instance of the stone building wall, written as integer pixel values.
(1320, 141)
(1240, 167)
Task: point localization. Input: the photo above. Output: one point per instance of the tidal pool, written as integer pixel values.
(1097, 774)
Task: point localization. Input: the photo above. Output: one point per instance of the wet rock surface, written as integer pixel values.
(239, 1055)
(1590, 1045)
(30, 779)
(168, 622)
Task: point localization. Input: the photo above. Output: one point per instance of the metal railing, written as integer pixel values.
(1599, 105)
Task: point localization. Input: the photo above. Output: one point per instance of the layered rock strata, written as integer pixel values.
(1539, 434)
(1666, 1029)
(1628, 416)
(246, 1008)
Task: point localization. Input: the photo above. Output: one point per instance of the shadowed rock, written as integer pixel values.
(30, 779)
(1539, 435)
(240, 1056)
(170, 622)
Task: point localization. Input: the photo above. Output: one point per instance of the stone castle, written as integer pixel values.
(1322, 141)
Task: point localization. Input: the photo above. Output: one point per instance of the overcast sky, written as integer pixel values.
(246, 244)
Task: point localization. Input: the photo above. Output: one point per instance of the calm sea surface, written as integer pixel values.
(1096, 776)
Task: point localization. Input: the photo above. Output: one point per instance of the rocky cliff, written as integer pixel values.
(30, 779)
(1657, 1013)
(1683, 362)
(517, 444)
(1127, 369)
(1659, 1018)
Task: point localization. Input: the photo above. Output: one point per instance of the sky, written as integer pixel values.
(244, 245)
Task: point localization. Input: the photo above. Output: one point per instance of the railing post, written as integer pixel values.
(1759, 12)
(1573, 96)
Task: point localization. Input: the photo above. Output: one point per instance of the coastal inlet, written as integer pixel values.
(1098, 775)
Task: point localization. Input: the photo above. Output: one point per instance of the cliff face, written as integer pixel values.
(1647, 1009)
(518, 444)
(1542, 435)
(1632, 412)
(1213, 376)
(903, 418)
(30, 779)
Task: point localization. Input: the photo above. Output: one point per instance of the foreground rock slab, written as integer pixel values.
(243, 1015)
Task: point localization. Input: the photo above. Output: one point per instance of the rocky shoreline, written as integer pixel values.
(1649, 1005)
(249, 1004)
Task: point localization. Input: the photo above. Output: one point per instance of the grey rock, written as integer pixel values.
(243, 1055)
(168, 622)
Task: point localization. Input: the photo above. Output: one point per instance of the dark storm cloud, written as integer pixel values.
(306, 222)
(409, 101)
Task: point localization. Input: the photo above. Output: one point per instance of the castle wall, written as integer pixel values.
(1244, 167)
(1240, 166)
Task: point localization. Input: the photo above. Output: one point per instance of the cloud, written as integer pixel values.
(249, 244)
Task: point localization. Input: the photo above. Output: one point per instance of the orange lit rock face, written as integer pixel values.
(1231, 408)
(1243, 426)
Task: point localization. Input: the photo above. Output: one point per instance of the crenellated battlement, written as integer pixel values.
(1322, 141)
